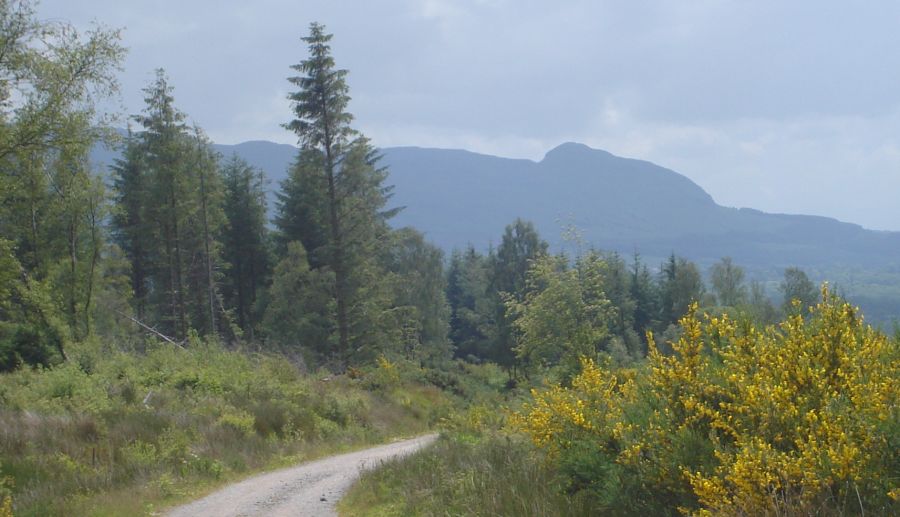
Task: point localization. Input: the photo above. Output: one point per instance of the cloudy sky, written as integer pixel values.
(782, 106)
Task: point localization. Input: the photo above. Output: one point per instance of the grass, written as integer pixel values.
(125, 433)
(476, 468)
(494, 476)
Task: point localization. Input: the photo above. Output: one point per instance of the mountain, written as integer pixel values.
(458, 197)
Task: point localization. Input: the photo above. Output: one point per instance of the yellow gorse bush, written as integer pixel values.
(744, 421)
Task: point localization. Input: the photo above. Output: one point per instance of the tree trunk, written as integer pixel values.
(179, 281)
(73, 265)
(337, 252)
(209, 267)
(95, 257)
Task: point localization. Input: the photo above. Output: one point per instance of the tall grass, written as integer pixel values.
(495, 476)
(115, 433)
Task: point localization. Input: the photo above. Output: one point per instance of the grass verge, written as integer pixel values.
(115, 433)
(493, 476)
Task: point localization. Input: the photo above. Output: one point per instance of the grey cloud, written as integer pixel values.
(785, 106)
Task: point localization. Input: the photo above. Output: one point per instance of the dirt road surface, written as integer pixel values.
(310, 489)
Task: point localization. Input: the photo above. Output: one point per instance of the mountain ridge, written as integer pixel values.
(459, 197)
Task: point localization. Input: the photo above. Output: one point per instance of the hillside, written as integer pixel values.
(459, 197)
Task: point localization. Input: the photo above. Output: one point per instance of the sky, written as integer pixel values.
(789, 107)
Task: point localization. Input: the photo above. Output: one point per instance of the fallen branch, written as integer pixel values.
(150, 329)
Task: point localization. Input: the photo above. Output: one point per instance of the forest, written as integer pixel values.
(161, 334)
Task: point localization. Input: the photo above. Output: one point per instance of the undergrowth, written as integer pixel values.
(475, 469)
(124, 433)
(795, 420)
(493, 476)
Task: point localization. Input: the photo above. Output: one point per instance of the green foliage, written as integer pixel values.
(799, 292)
(419, 286)
(680, 285)
(520, 247)
(333, 202)
(494, 477)
(52, 208)
(245, 242)
(472, 309)
(155, 425)
(737, 420)
(565, 313)
(759, 307)
(170, 218)
(645, 295)
(483, 310)
(301, 306)
(728, 283)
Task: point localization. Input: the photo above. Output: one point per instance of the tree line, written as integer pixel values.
(521, 306)
(177, 243)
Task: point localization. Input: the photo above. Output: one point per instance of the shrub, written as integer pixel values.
(796, 419)
(238, 421)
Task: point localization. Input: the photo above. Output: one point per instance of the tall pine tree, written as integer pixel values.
(472, 307)
(333, 201)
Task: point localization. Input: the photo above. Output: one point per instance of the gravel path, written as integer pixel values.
(310, 489)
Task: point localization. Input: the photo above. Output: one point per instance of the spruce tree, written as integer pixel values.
(680, 285)
(132, 229)
(645, 297)
(170, 219)
(472, 307)
(245, 241)
(333, 201)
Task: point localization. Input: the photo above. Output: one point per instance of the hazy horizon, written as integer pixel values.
(782, 108)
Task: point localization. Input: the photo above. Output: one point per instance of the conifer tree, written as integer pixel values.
(245, 241)
(616, 288)
(333, 201)
(132, 230)
(680, 284)
(645, 298)
(472, 308)
(170, 218)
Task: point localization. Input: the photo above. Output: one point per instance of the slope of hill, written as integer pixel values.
(458, 197)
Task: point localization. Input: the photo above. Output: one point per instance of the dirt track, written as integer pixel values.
(310, 489)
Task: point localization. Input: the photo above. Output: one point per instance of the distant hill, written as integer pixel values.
(458, 197)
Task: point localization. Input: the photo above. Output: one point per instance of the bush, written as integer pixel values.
(798, 419)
